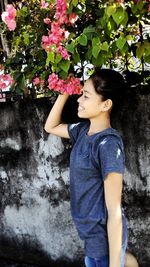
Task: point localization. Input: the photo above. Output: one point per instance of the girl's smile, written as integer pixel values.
(89, 102)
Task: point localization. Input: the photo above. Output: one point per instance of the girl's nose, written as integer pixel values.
(79, 99)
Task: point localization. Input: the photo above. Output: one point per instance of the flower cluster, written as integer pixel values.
(57, 34)
(71, 85)
(9, 16)
(37, 81)
(61, 12)
(5, 81)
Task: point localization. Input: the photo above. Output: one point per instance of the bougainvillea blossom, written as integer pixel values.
(47, 21)
(5, 81)
(37, 81)
(9, 16)
(71, 85)
(63, 52)
(44, 4)
(73, 17)
(61, 11)
(56, 35)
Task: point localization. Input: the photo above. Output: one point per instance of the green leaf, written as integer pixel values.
(110, 10)
(50, 58)
(26, 38)
(99, 61)
(140, 4)
(76, 57)
(147, 59)
(129, 37)
(125, 20)
(74, 2)
(70, 47)
(95, 50)
(65, 65)
(121, 42)
(82, 40)
(23, 12)
(140, 51)
(18, 41)
(105, 46)
(119, 15)
(96, 41)
(58, 58)
(147, 47)
(89, 53)
(109, 26)
(125, 49)
(63, 74)
(96, 46)
(89, 29)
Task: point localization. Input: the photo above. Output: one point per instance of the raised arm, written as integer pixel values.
(53, 123)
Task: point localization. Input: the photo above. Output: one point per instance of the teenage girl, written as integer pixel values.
(96, 169)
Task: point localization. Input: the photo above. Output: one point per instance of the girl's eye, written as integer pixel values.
(85, 96)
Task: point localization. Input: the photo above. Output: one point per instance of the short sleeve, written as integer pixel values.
(111, 156)
(74, 130)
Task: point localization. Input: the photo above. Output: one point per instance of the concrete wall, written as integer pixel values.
(36, 227)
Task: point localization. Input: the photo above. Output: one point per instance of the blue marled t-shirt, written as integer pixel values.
(92, 158)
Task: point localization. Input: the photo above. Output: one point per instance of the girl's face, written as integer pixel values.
(91, 104)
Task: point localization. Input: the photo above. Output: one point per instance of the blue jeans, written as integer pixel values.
(104, 261)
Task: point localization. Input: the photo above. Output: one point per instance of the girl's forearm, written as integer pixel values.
(114, 228)
(54, 117)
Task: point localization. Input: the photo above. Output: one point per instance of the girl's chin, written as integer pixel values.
(80, 115)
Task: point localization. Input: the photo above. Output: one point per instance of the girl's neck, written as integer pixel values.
(98, 125)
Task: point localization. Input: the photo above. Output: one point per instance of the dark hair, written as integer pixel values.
(110, 84)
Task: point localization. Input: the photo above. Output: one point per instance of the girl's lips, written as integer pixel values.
(80, 108)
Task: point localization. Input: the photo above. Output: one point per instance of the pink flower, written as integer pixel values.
(11, 25)
(44, 4)
(36, 81)
(11, 11)
(70, 86)
(47, 21)
(3, 85)
(52, 81)
(73, 18)
(73, 86)
(46, 42)
(56, 35)
(5, 81)
(61, 11)
(61, 50)
(8, 17)
(66, 34)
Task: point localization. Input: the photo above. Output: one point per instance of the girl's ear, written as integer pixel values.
(107, 105)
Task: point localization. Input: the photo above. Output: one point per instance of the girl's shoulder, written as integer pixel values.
(76, 129)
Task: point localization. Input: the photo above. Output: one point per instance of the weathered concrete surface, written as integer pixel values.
(36, 226)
